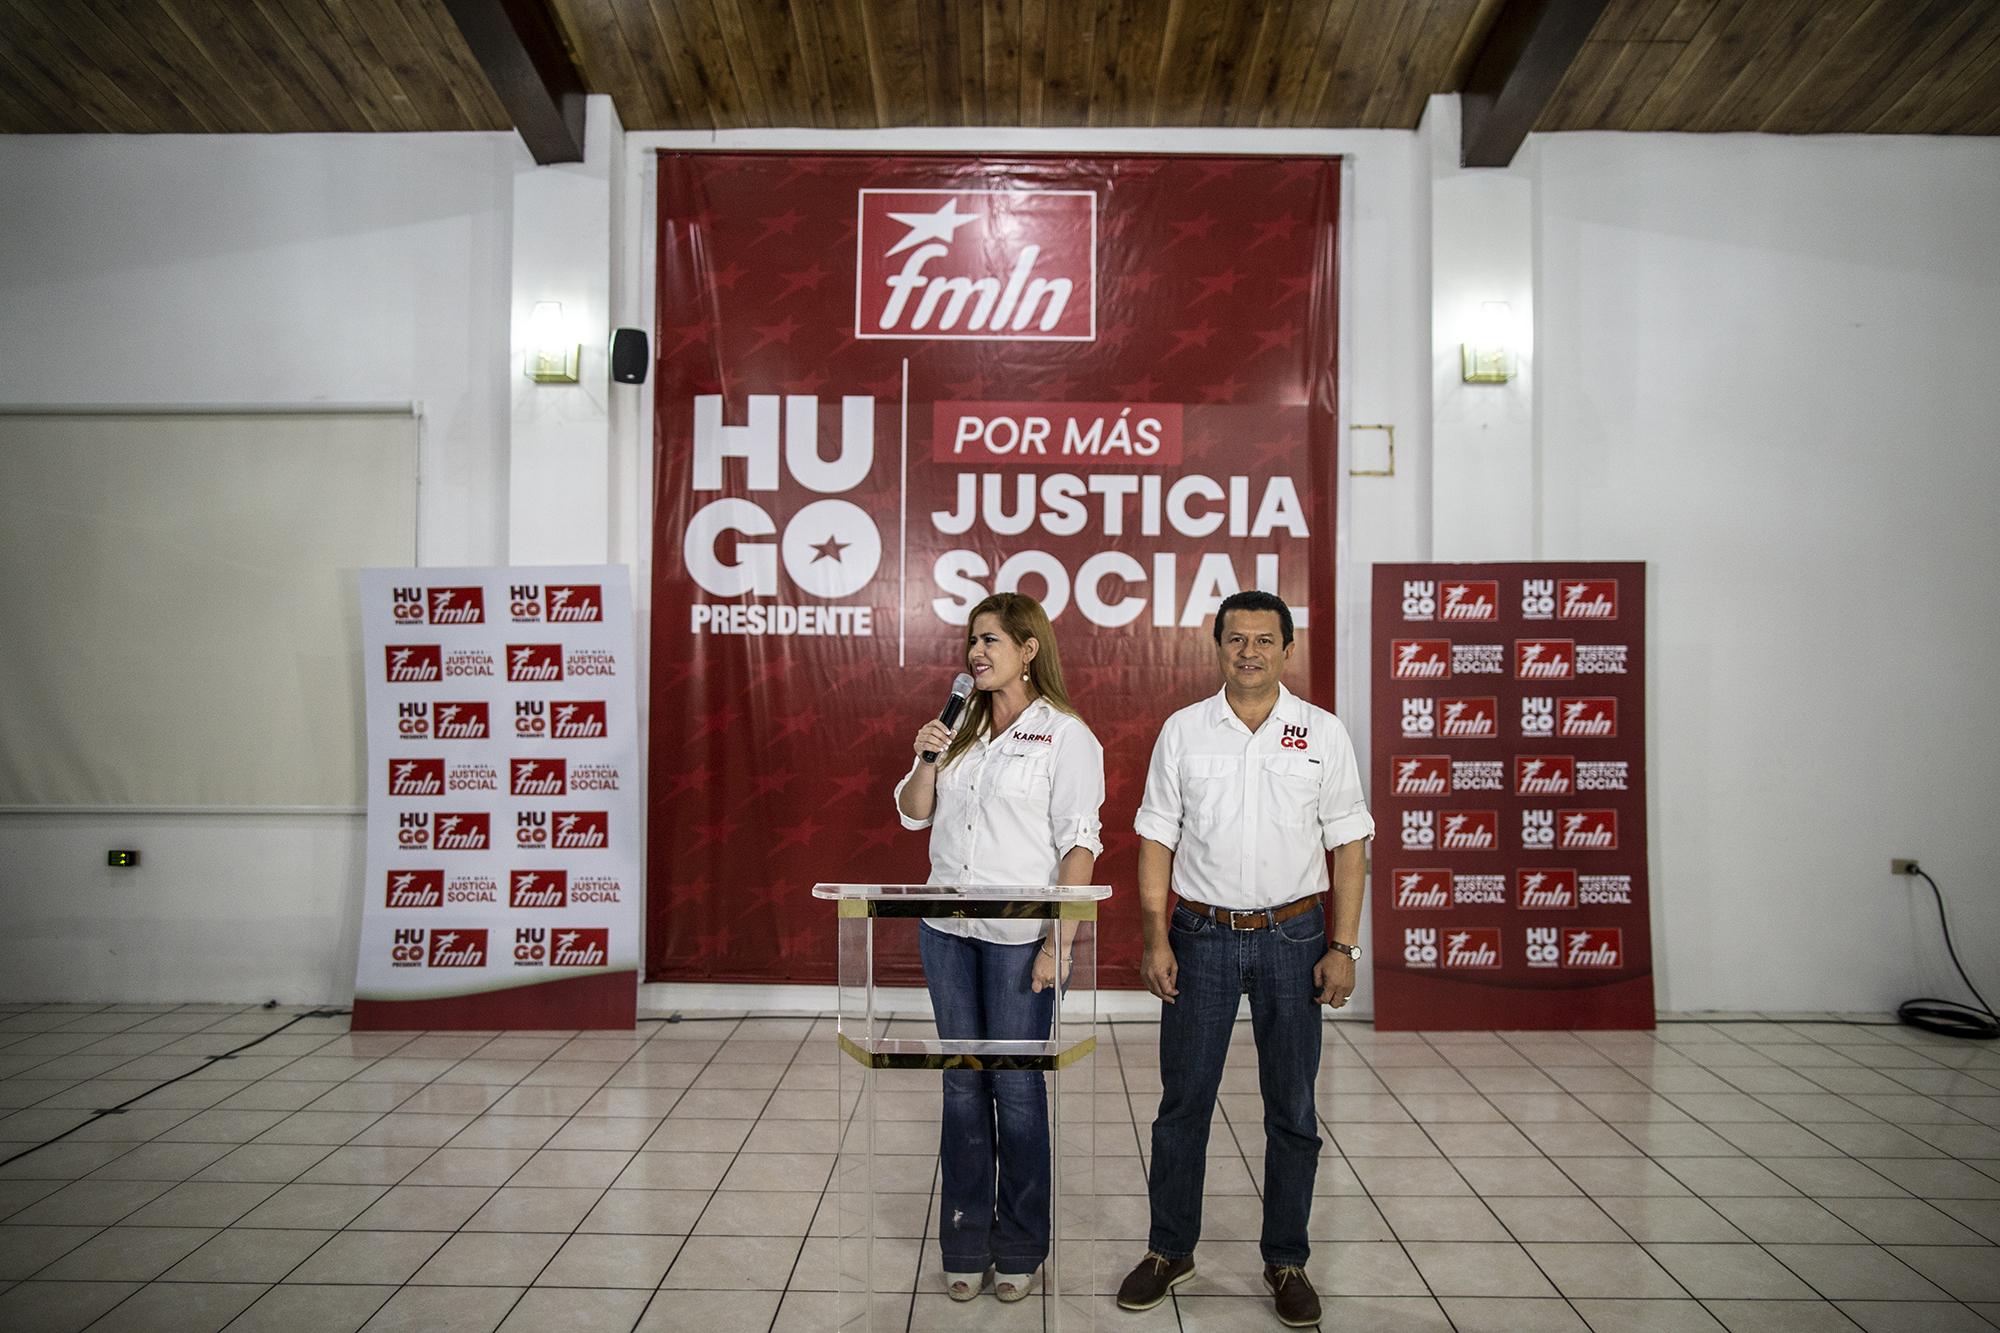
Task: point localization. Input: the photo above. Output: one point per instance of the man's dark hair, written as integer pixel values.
(1255, 601)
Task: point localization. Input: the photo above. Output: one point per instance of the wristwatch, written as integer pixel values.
(1351, 950)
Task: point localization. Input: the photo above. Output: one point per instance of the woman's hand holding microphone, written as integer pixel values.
(934, 737)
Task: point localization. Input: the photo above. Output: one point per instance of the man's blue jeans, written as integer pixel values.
(1217, 966)
(995, 1121)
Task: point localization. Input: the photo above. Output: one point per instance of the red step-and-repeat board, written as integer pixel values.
(1509, 792)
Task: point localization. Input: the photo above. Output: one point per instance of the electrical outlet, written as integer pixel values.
(1900, 866)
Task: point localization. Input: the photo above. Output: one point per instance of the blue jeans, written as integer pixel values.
(1217, 966)
(993, 1147)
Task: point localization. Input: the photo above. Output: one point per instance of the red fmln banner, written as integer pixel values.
(888, 386)
(1509, 795)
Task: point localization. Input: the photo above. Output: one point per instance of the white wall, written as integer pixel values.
(1767, 368)
(283, 270)
(1757, 364)
(273, 270)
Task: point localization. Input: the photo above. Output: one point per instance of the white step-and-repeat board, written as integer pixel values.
(503, 884)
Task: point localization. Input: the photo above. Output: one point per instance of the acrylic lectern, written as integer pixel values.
(889, 1273)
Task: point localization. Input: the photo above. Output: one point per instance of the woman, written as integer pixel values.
(1012, 799)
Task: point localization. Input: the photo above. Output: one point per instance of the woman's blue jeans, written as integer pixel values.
(993, 1145)
(1218, 967)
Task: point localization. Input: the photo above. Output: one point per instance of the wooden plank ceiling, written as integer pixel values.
(237, 67)
(725, 64)
(1786, 67)
(254, 66)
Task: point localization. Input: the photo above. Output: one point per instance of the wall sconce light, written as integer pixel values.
(1489, 357)
(554, 355)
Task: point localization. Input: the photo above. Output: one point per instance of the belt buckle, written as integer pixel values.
(1233, 914)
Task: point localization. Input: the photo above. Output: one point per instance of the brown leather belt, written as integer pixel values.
(1262, 918)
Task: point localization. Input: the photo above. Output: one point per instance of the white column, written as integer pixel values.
(1482, 435)
(559, 503)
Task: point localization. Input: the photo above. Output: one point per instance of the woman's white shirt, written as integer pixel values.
(1009, 809)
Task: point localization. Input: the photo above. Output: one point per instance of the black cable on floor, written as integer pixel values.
(1948, 1017)
(115, 1110)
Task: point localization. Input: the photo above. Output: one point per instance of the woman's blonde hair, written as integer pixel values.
(1022, 619)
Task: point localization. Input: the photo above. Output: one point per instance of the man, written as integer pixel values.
(1247, 791)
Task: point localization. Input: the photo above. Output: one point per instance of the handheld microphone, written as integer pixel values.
(961, 690)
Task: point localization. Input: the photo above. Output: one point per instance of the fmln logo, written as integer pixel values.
(976, 264)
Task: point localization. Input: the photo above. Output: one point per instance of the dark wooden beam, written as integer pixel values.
(519, 46)
(1517, 71)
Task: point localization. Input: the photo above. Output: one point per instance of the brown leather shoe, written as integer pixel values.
(1298, 1303)
(1148, 1284)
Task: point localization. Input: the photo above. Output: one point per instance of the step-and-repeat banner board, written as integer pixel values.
(1509, 793)
(503, 800)
(888, 385)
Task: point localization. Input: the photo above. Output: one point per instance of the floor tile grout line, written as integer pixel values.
(519, 1082)
(458, 1230)
(219, 1231)
(334, 1232)
(570, 1119)
(204, 1062)
(1554, 1286)
(352, 1077)
(148, 1203)
(839, 1137)
(1845, 1156)
(826, 1186)
(1695, 1119)
(1140, 1140)
(1712, 1070)
(1401, 1244)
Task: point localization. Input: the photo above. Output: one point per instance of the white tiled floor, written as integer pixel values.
(1753, 1176)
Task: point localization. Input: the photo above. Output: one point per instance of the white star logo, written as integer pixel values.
(938, 226)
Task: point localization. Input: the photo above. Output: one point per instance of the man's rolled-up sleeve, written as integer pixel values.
(1159, 816)
(1076, 792)
(1343, 810)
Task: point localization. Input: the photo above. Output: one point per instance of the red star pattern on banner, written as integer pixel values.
(1190, 229)
(1217, 284)
(784, 224)
(774, 755)
(799, 834)
(782, 332)
(690, 335)
(805, 280)
(1117, 333)
(1279, 228)
(1198, 336)
(721, 831)
(1222, 391)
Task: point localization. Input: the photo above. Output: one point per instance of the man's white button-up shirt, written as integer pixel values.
(1249, 815)
(1009, 809)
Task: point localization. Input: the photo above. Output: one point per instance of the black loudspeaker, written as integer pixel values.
(628, 356)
